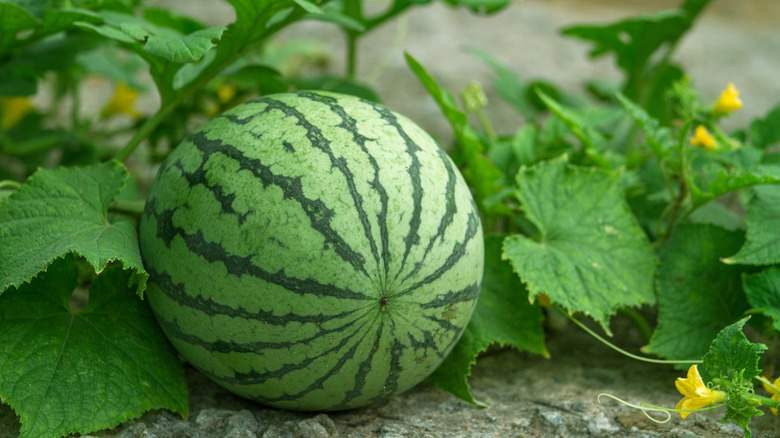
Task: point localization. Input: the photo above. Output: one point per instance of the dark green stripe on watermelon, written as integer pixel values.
(312, 251)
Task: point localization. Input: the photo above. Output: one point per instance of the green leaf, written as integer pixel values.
(107, 31)
(309, 6)
(763, 239)
(481, 6)
(479, 172)
(66, 371)
(184, 49)
(731, 355)
(503, 315)
(634, 40)
(441, 96)
(332, 14)
(508, 85)
(592, 141)
(13, 20)
(763, 293)
(590, 255)
(766, 132)
(733, 361)
(173, 19)
(65, 210)
(56, 20)
(658, 137)
(728, 181)
(697, 294)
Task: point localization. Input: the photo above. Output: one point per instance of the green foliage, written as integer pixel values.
(66, 210)
(589, 255)
(578, 202)
(65, 371)
(503, 315)
(586, 196)
(697, 294)
(763, 293)
(732, 363)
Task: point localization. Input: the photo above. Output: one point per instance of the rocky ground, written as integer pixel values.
(527, 394)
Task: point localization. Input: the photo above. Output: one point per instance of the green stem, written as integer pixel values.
(639, 322)
(620, 350)
(682, 184)
(36, 144)
(188, 90)
(134, 207)
(487, 126)
(352, 9)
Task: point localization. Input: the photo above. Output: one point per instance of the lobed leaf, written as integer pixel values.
(66, 210)
(503, 315)
(69, 372)
(731, 355)
(734, 359)
(590, 255)
(697, 294)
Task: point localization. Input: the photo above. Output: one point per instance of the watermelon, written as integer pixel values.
(312, 251)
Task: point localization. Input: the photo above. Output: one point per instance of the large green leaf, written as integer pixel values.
(503, 315)
(698, 295)
(763, 238)
(590, 255)
(66, 210)
(763, 293)
(66, 371)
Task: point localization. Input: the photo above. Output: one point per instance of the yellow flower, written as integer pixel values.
(728, 101)
(122, 102)
(13, 109)
(695, 392)
(703, 138)
(225, 93)
(775, 394)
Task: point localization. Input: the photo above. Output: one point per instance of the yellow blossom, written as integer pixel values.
(773, 391)
(695, 392)
(13, 109)
(703, 138)
(122, 102)
(225, 93)
(728, 101)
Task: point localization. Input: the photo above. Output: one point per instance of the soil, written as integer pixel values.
(527, 395)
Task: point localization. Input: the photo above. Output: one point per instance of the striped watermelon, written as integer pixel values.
(312, 251)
